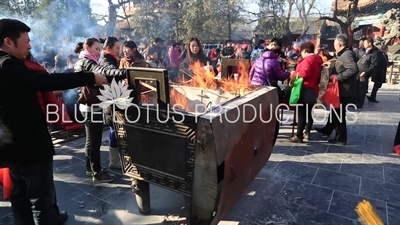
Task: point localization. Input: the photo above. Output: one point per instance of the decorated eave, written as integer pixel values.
(343, 5)
(373, 20)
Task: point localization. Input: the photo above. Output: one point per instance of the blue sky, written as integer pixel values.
(99, 6)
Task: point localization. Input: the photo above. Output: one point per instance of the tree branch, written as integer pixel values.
(258, 19)
(249, 12)
(333, 19)
(251, 21)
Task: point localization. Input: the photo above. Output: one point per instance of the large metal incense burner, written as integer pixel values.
(209, 154)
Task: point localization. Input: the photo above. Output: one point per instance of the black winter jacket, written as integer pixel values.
(368, 62)
(346, 70)
(22, 113)
(89, 93)
(108, 61)
(379, 75)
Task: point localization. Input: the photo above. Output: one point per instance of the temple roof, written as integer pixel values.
(343, 5)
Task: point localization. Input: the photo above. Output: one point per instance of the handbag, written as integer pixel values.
(287, 90)
(281, 93)
(296, 90)
(331, 95)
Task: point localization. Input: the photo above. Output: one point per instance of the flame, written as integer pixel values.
(144, 98)
(204, 77)
(178, 100)
(239, 85)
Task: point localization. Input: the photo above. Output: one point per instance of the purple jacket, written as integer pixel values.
(267, 70)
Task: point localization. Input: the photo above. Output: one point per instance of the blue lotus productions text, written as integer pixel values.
(247, 113)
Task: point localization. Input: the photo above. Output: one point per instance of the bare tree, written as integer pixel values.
(24, 8)
(304, 7)
(113, 15)
(344, 19)
(272, 19)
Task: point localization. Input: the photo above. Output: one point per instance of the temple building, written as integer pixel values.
(368, 22)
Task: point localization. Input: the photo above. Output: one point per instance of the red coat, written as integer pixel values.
(309, 68)
(46, 97)
(213, 54)
(174, 57)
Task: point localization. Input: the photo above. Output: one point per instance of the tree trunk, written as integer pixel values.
(350, 36)
(112, 18)
(229, 18)
(344, 29)
(287, 22)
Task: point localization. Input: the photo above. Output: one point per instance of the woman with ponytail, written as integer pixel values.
(78, 48)
(88, 62)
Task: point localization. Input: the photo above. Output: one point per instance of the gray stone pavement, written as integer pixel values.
(310, 183)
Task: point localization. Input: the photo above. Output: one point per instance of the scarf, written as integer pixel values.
(34, 66)
(88, 55)
(108, 52)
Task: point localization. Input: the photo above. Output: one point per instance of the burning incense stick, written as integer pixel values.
(367, 213)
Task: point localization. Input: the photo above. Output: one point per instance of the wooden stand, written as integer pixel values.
(228, 64)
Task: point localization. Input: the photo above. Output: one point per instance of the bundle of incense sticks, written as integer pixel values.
(367, 214)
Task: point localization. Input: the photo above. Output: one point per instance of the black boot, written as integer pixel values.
(372, 99)
(63, 217)
(337, 142)
(323, 131)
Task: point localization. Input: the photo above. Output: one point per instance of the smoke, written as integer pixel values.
(165, 24)
(70, 96)
(61, 24)
(302, 40)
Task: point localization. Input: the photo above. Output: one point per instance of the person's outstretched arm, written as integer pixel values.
(15, 71)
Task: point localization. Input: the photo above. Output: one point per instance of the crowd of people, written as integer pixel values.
(29, 152)
(353, 69)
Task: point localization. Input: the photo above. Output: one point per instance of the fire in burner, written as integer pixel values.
(197, 99)
(204, 89)
(202, 92)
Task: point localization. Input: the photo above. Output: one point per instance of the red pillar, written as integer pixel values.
(382, 31)
(350, 36)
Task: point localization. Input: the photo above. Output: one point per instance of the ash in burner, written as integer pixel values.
(197, 100)
(204, 96)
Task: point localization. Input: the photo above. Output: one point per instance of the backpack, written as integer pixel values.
(383, 59)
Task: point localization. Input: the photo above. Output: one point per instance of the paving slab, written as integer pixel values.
(310, 183)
